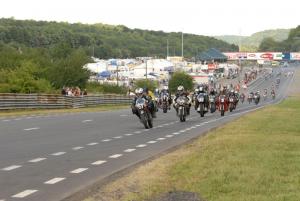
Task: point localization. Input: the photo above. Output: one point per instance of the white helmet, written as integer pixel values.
(201, 88)
(139, 91)
(180, 88)
(196, 90)
(166, 87)
(156, 90)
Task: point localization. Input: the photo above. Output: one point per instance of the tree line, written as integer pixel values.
(291, 44)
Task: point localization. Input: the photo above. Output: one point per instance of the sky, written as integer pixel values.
(202, 17)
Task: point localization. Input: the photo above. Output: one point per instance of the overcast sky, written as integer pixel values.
(205, 17)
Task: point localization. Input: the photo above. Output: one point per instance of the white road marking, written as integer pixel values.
(2, 200)
(128, 134)
(161, 138)
(79, 170)
(6, 120)
(24, 193)
(98, 162)
(193, 127)
(29, 117)
(115, 156)
(137, 132)
(18, 119)
(9, 168)
(92, 143)
(123, 115)
(55, 180)
(58, 153)
(77, 148)
(106, 140)
(37, 160)
(151, 142)
(197, 125)
(129, 150)
(169, 136)
(160, 126)
(141, 145)
(118, 137)
(181, 131)
(87, 120)
(30, 129)
(176, 133)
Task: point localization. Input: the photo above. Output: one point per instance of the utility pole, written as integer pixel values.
(146, 70)
(182, 44)
(167, 48)
(117, 74)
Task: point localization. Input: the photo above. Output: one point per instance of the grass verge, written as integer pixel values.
(9, 113)
(254, 158)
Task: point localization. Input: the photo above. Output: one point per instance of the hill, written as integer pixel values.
(105, 41)
(251, 43)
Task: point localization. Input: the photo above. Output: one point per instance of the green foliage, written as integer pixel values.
(104, 41)
(181, 78)
(150, 84)
(251, 43)
(268, 44)
(96, 88)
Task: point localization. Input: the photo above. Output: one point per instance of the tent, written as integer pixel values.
(104, 74)
(212, 55)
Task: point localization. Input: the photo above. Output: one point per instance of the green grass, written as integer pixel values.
(254, 158)
(19, 112)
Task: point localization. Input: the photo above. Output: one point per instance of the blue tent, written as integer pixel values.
(104, 74)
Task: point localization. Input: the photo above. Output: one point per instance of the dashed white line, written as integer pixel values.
(129, 150)
(141, 145)
(29, 117)
(160, 126)
(24, 194)
(169, 136)
(79, 170)
(115, 156)
(137, 132)
(128, 134)
(176, 133)
(106, 140)
(30, 129)
(37, 160)
(123, 115)
(98, 162)
(9, 168)
(193, 127)
(151, 142)
(55, 180)
(161, 138)
(92, 143)
(18, 119)
(77, 148)
(6, 120)
(118, 137)
(58, 153)
(87, 120)
(181, 131)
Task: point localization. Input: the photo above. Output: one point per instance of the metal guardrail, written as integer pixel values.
(48, 101)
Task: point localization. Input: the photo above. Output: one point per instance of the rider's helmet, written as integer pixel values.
(180, 89)
(166, 87)
(257, 92)
(139, 91)
(232, 91)
(156, 90)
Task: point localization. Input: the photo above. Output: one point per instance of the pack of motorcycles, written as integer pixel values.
(203, 103)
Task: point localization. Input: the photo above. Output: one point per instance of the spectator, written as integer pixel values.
(85, 92)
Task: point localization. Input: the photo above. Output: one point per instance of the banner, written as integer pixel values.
(295, 55)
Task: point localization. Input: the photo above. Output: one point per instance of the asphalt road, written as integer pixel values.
(48, 158)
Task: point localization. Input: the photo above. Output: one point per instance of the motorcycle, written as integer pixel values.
(242, 98)
(273, 96)
(165, 103)
(250, 98)
(256, 99)
(181, 104)
(231, 103)
(222, 105)
(212, 103)
(144, 113)
(201, 107)
(265, 97)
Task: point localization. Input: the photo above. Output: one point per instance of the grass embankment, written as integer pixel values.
(9, 113)
(254, 158)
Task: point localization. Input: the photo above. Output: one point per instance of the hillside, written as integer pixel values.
(252, 42)
(105, 41)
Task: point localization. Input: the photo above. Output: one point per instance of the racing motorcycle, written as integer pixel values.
(182, 104)
(201, 104)
(231, 103)
(222, 104)
(212, 103)
(165, 103)
(256, 98)
(144, 113)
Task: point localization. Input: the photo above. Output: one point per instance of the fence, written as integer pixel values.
(47, 101)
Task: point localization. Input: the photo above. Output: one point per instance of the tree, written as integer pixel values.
(268, 44)
(150, 84)
(181, 78)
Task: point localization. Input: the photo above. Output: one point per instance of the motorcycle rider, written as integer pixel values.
(273, 93)
(165, 91)
(150, 97)
(196, 92)
(182, 92)
(138, 94)
(257, 93)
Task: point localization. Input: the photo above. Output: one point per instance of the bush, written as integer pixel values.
(150, 84)
(95, 87)
(181, 78)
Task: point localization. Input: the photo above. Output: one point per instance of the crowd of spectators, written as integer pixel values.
(73, 91)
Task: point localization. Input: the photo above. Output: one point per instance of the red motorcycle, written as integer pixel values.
(222, 104)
